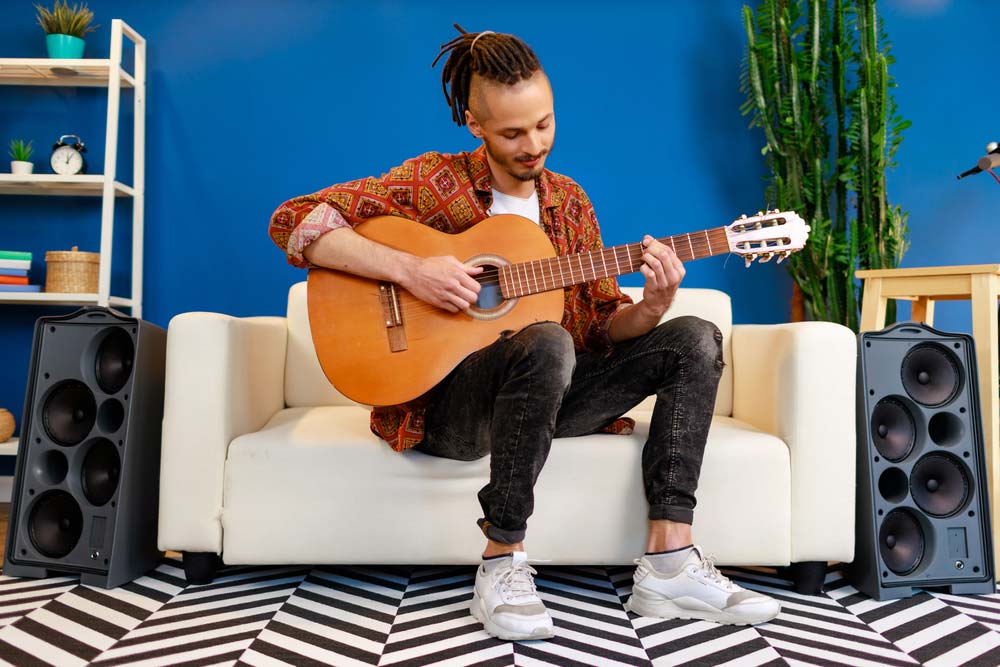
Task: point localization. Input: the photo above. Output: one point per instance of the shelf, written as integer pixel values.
(87, 72)
(54, 184)
(8, 448)
(60, 299)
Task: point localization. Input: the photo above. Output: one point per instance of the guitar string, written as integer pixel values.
(623, 252)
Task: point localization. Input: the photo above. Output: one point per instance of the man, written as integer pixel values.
(511, 398)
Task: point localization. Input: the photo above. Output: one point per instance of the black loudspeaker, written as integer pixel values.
(923, 515)
(86, 487)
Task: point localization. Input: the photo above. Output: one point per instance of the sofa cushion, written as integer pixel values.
(306, 384)
(322, 466)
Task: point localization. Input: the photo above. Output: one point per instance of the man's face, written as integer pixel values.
(516, 123)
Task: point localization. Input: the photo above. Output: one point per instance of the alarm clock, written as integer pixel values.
(67, 159)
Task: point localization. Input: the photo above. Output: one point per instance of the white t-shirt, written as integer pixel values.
(526, 208)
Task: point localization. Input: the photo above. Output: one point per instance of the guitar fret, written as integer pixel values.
(592, 269)
(690, 246)
(617, 266)
(673, 245)
(707, 239)
(534, 278)
(579, 258)
(522, 279)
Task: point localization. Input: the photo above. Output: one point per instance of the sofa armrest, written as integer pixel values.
(225, 377)
(797, 381)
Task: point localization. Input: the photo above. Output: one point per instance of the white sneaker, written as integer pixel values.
(506, 603)
(697, 591)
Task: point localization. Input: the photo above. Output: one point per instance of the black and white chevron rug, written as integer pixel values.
(419, 616)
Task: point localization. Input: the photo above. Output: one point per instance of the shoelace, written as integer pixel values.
(517, 580)
(710, 570)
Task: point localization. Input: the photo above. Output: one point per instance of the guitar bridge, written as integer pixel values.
(392, 314)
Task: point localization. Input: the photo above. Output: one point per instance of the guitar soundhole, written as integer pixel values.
(490, 296)
(490, 305)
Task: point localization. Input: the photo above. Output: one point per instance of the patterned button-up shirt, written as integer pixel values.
(452, 193)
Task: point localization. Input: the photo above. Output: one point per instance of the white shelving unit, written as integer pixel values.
(102, 73)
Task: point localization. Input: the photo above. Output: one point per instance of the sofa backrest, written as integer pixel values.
(306, 385)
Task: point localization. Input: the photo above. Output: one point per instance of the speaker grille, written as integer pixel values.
(55, 524)
(939, 484)
(901, 542)
(931, 374)
(69, 413)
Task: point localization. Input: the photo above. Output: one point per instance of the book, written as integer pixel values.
(13, 280)
(22, 264)
(15, 254)
(13, 272)
(20, 288)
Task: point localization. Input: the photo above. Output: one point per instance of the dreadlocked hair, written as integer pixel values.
(501, 58)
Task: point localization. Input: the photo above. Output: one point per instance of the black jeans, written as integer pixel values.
(511, 398)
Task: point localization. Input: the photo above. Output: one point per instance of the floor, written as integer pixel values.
(419, 616)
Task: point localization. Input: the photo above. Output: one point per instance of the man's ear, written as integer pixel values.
(474, 127)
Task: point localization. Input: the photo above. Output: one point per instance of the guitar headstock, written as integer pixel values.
(767, 235)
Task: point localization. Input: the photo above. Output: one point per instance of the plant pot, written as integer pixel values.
(21, 167)
(64, 46)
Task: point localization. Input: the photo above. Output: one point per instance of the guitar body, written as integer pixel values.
(380, 345)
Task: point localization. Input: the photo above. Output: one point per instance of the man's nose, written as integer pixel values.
(534, 145)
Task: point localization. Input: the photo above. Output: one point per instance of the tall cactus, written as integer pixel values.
(800, 57)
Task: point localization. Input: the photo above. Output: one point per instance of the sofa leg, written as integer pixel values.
(808, 577)
(200, 568)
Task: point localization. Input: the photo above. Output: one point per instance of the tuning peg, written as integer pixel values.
(749, 259)
(743, 217)
(760, 212)
(765, 257)
(782, 256)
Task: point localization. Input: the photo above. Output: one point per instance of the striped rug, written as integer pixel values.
(419, 616)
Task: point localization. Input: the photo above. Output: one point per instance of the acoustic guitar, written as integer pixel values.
(380, 345)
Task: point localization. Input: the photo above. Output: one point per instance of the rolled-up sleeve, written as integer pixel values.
(300, 221)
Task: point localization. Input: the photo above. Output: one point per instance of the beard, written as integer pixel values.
(514, 167)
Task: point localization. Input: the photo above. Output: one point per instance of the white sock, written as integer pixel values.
(493, 562)
(669, 562)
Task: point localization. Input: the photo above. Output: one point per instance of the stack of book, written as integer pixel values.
(14, 268)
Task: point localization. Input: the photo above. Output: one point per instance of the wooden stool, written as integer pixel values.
(980, 284)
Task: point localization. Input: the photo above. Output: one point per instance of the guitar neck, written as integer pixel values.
(542, 275)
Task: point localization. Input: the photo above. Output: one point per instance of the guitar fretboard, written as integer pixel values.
(542, 275)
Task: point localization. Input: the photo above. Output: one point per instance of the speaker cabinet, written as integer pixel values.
(922, 505)
(86, 486)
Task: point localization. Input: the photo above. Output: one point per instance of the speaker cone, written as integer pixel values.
(113, 364)
(69, 413)
(55, 524)
(901, 542)
(893, 429)
(939, 484)
(100, 472)
(931, 374)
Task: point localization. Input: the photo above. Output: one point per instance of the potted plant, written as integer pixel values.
(65, 27)
(817, 83)
(20, 154)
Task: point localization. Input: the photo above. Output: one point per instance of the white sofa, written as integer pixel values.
(264, 462)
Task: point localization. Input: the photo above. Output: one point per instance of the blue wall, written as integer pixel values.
(251, 102)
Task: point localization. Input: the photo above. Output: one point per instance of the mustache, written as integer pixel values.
(529, 158)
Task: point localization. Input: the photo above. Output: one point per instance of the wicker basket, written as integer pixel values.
(71, 271)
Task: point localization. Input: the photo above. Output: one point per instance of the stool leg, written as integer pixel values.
(984, 332)
(923, 311)
(872, 306)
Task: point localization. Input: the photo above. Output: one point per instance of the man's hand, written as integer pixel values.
(663, 272)
(444, 282)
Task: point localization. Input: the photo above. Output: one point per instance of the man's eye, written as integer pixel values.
(511, 136)
(543, 127)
